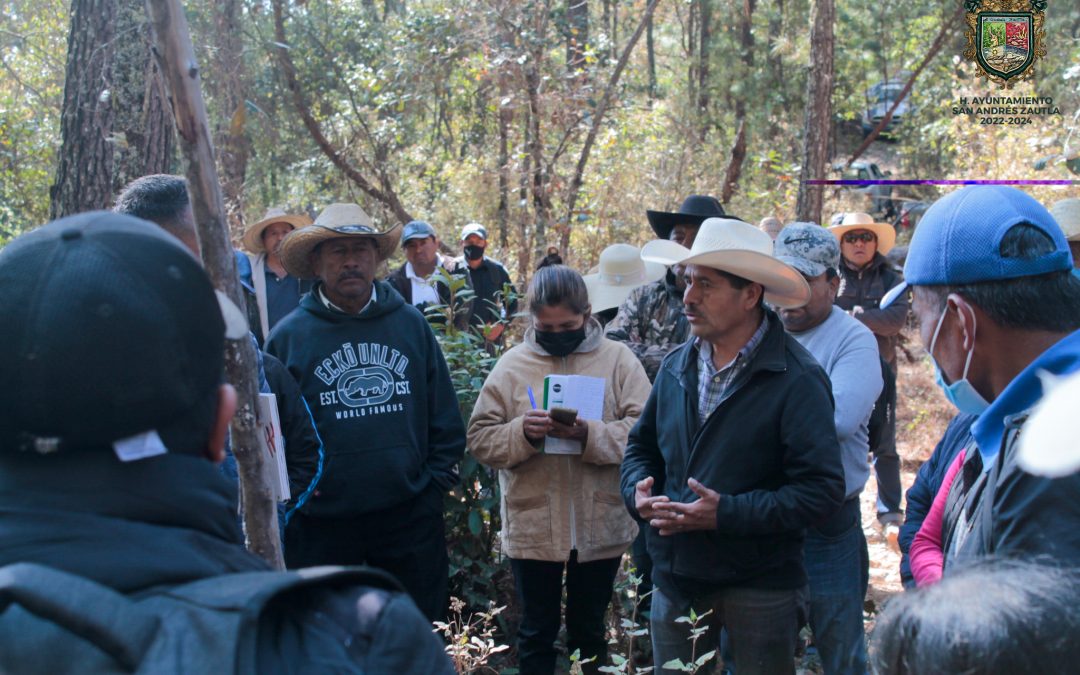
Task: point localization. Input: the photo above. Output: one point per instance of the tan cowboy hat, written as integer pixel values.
(1067, 213)
(886, 234)
(336, 220)
(737, 248)
(253, 235)
(620, 271)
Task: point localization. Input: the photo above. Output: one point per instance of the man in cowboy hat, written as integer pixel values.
(865, 277)
(276, 291)
(837, 561)
(650, 321)
(417, 280)
(488, 278)
(734, 455)
(385, 408)
(621, 270)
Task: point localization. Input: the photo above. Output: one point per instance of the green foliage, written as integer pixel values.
(472, 507)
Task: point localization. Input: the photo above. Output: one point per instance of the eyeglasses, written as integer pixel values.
(853, 237)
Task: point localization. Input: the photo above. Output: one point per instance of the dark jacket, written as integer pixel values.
(1003, 510)
(865, 288)
(921, 495)
(380, 392)
(770, 449)
(488, 281)
(143, 528)
(303, 449)
(403, 285)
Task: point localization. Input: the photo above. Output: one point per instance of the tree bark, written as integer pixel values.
(84, 170)
(143, 127)
(704, 50)
(506, 118)
(597, 118)
(818, 117)
(577, 34)
(229, 88)
(738, 148)
(650, 49)
(385, 196)
(173, 47)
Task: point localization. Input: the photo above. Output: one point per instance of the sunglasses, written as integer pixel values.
(853, 237)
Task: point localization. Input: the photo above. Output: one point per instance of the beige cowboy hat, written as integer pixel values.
(336, 220)
(620, 271)
(1067, 214)
(253, 234)
(854, 220)
(737, 248)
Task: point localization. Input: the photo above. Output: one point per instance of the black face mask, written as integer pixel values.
(560, 344)
(473, 252)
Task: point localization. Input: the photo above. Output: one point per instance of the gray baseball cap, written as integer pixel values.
(473, 228)
(417, 229)
(808, 247)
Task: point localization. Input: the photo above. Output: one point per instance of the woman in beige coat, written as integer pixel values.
(561, 512)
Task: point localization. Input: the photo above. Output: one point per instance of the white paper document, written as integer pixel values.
(273, 443)
(579, 392)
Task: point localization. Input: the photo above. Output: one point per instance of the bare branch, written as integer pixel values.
(386, 196)
(598, 118)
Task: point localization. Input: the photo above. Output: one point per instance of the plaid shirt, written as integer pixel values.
(713, 382)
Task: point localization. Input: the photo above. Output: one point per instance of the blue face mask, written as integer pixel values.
(960, 393)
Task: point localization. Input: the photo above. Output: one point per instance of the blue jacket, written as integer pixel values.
(920, 497)
(769, 449)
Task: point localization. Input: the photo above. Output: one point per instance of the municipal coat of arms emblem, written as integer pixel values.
(1005, 38)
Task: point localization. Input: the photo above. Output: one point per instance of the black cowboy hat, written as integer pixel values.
(694, 210)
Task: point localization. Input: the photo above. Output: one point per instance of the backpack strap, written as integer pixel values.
(116, 625)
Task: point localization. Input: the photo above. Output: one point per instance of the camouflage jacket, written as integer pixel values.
(651, 323)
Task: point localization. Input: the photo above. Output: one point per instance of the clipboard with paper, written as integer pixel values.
(580, 392)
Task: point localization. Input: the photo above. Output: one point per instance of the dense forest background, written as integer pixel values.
(530, 116)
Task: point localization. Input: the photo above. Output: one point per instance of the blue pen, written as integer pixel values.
(532, 399)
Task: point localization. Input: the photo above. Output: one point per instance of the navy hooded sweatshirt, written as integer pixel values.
(381, 396)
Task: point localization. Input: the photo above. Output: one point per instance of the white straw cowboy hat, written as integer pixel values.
(336, 220)
(253, 235)
(737, 248)
(1067, 214)
(620, 271)
(846, 222)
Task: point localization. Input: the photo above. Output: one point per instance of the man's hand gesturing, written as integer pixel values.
(674, 517)
(644, 502)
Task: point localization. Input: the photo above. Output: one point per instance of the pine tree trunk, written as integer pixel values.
(143, 121)
(818, 117)
(704, 50)
(229, 87)
(577, 37)
(85, 167)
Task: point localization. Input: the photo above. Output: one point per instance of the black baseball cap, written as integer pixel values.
(111, 330)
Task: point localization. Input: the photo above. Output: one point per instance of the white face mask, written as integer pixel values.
(960, 393)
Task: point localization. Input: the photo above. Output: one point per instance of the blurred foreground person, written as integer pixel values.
(561, 512)
(996, 617)
(119, 543)
(998, 310)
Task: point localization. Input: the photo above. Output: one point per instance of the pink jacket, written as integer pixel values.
(927, 556)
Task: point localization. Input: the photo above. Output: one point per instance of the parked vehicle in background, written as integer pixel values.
(880, 196)
(880, 98)
(910, 213)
